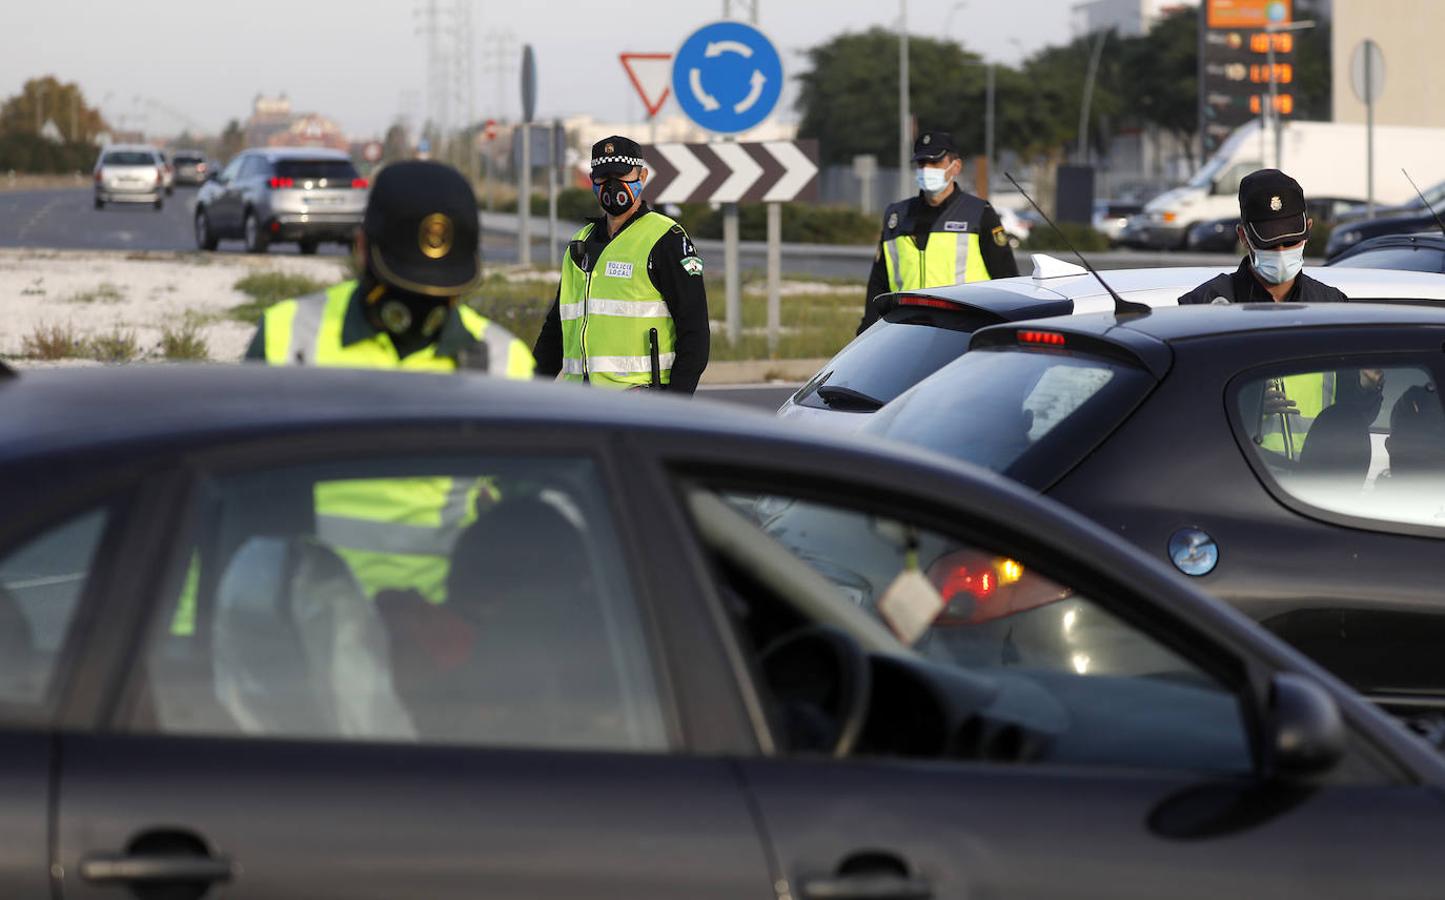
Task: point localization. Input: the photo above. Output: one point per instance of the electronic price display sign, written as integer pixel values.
(1234, 70)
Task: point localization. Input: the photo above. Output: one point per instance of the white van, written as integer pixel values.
(1326, 158)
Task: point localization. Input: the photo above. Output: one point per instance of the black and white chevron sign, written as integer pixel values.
(762, 172)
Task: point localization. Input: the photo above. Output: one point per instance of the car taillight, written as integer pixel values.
(160, 175)
(977, 587)
(278, 183)
(359, 183)
(1042, 338)
(914, 300)
(98, 177)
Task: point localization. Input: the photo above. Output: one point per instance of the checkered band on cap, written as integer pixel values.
(604, 160)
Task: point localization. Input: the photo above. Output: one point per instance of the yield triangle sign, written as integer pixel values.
(651, 75)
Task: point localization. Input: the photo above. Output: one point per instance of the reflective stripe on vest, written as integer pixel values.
(942, 262)
(607, 313)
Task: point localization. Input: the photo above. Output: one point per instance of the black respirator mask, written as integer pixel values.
(401, 313)
(616, 195)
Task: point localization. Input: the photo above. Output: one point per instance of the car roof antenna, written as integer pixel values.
(1423, 200)
(1122, 307)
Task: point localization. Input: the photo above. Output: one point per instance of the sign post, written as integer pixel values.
(524, 196)
(552, 162)
(728, 77)
(1367, 77)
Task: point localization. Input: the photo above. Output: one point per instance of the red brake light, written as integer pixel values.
(98, 178)
(914, 300)
(1047, 338)
(277, 183)
(160, 175)
(359, 183)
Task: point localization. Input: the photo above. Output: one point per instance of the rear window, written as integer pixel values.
(1031, 415)
(900, 350)
(129, 158)
(187, 159)
(316, 169)
(1410, 259)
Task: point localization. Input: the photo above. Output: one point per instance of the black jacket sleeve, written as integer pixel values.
(548, 350)
(682, 289)
(998, 256)
(877, 284)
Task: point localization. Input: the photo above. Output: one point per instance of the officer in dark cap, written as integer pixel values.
(418, 253)
(1275, 227)
(939, 237)
(631, 310)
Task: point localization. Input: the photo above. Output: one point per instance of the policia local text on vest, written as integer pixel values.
(418, 252)
(631, 309)
(940, 237)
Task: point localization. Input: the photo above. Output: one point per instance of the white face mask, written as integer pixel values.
(1277, 266)
(932, 181)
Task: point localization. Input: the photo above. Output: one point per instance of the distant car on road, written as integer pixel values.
(130, 173)
(1219, 236)
(190, 167)
(168, 173)
(921, 331)
(639, 681)
(1407, 252)
(273, 195)
(1110, 217)
(1324, 519)
(1347, 235)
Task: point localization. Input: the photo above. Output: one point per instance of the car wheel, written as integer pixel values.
(256, 238)
(159, 204)
(99, 203)
(308, 248)
(205, 240)
(170, 191)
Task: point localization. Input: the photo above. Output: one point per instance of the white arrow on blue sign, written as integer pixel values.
(727, 77)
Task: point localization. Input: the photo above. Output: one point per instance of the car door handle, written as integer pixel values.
(105, 869)
(866, 887)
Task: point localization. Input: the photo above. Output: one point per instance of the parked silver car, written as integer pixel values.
(281, 194)
(129, 173)
(190, 167)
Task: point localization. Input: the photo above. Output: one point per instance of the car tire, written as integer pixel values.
(99, 203)
(205, 238)
(256, 238)
(170, 191)
(307, 248)
(159, 204)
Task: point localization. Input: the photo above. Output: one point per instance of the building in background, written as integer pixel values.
(269, 116)
(1409, 33)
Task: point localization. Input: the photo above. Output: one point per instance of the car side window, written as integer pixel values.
(41, 583)
(482, 602)
(980, 658)
(254, 168)
(1364, 443)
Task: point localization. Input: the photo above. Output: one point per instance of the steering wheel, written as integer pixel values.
(820, 677)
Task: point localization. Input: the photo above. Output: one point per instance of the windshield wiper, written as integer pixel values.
(847, 398)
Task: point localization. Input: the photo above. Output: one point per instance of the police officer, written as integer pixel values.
(941, 236)
(631, 310)
(417, 251)
(1274, 226)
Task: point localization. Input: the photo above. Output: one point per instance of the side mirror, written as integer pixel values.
(1306, 733)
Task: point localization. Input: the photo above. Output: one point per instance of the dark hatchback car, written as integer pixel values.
(1408, 252)
(1219, 236)
(1321, 515)
(1408, 221)
(634, 685)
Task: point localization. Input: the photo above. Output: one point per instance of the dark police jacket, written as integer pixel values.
(1240, 286)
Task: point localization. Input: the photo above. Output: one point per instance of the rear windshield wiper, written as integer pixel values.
(847, 398)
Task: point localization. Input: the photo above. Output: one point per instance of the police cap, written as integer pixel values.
(421, 229)
(1272, 208)
(615, 155)
(930, 146)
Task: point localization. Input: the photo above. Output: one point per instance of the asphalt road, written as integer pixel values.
(66, 219)
(762, 397)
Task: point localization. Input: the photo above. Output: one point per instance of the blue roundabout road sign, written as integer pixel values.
(727, 77)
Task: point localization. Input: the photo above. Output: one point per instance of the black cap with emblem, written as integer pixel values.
(615, 155)
(422, 230)
(1272, 208)
(930, 146)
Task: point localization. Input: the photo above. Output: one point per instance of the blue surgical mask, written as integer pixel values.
(1277, 266)
(932, 181)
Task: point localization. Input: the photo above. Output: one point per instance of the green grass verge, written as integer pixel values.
(267, 288)
(184, 343)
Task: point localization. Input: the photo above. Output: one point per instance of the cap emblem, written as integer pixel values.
(607, 148)
(1275, 204)
(435, 236)
(927, 139)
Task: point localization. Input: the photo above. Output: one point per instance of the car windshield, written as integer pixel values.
(1028, 414)
(1411, 259)
(904, 347)
(316, 169)
(129, 158)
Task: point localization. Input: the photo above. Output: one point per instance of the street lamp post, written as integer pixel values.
(1270, 31)
(905, 140)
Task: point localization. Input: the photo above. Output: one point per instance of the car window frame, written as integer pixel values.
(1432, 364)
(451, 440)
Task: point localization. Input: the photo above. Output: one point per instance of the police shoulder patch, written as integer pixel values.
(893, 220)
(1000, 236)
(692, 265)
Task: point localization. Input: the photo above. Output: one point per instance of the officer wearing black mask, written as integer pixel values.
(418, 254)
